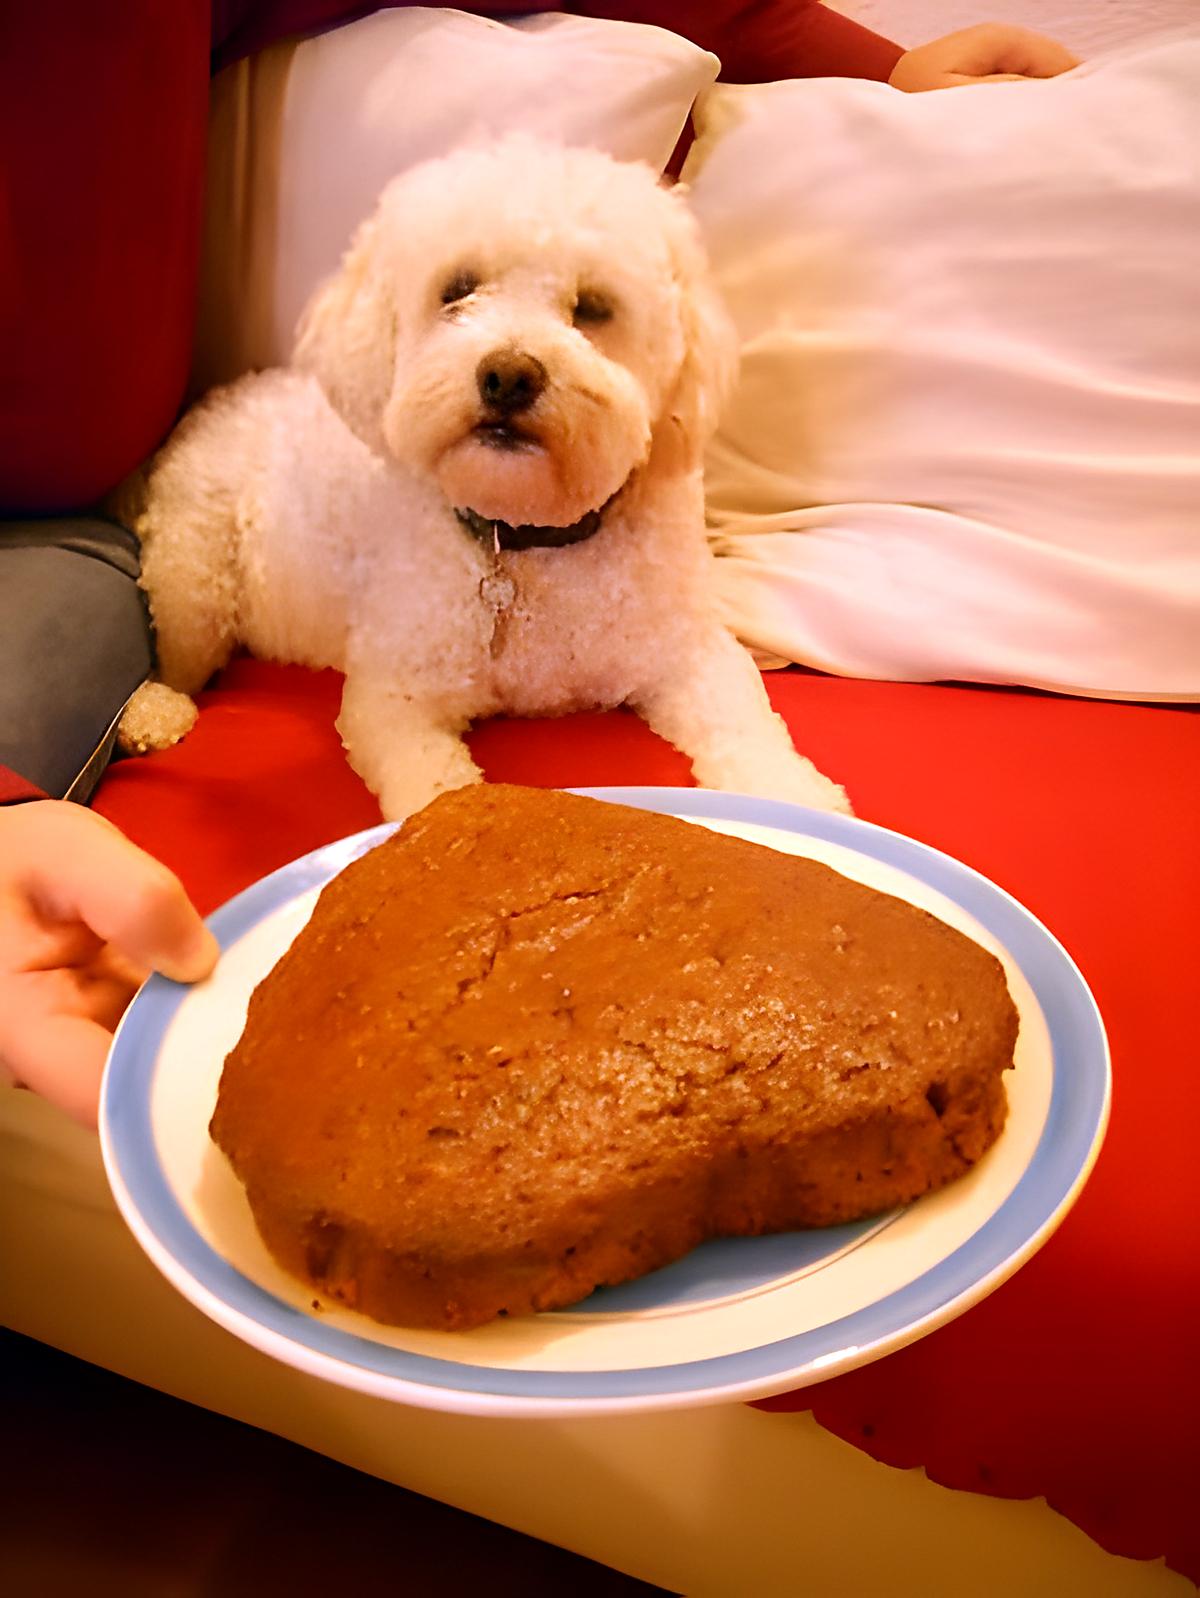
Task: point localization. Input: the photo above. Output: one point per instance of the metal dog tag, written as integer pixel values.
(498, 591)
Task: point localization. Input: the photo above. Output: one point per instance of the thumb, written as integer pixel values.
(78, 867)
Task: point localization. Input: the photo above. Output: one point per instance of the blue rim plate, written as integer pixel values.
(738, 1319)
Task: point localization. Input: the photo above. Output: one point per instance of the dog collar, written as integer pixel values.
(501, 535)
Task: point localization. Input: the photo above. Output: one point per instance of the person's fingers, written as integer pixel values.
(1032, 56)
(987, 53)
(111, 965)
(97, 992)
(958, 80)
(84, 915)
(62, 1062)
(61, 1057)
(103, 991)
(29, 941)
(86, 870)
(993, 50)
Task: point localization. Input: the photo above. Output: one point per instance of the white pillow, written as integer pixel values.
(966, 444)
(304, 136)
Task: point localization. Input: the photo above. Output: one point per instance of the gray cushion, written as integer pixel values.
(74, 644)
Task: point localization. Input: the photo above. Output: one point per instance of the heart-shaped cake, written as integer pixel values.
(535, 1043)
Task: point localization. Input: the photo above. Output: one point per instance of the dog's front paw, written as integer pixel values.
(401, 797)
(810, 787)
(155, 718)
(777, 774)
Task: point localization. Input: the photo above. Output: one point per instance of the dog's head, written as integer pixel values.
(528, 325)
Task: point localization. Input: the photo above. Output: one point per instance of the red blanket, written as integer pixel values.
(1078, 1378)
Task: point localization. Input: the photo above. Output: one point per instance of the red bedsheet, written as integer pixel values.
(1078, 1378)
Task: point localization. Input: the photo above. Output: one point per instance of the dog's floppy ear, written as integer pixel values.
(347, 337)
(711, 348)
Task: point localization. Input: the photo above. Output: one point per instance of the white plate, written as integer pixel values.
(736, 1319)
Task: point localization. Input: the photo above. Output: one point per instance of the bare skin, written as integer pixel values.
(992, 52)
(85, 917)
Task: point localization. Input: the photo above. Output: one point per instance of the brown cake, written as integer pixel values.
(535, 1043)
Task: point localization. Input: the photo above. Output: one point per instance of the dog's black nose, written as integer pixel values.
(509, 381)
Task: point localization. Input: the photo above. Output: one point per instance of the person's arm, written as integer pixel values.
(85, 916)
(771, 39)
(757, 42)
(764, 40)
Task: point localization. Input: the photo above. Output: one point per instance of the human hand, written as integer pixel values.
(993, 52)
(85, 916)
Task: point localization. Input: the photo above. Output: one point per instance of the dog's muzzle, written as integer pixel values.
(502, 535)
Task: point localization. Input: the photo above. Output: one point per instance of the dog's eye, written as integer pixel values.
(459, 287)
(591, 308)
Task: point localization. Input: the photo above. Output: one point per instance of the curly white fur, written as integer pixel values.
(309, 514)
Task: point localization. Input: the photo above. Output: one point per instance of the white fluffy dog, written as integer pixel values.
(478, 488)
